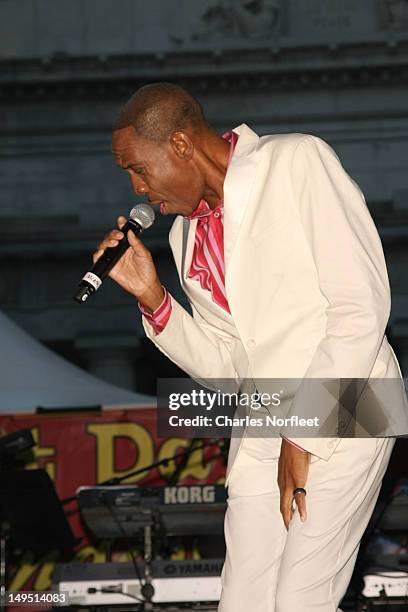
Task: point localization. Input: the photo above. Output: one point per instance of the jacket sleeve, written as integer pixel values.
(201, 350)
(352, 276)
(158, 319)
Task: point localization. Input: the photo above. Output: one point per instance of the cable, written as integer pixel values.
(371, 528)
(113, 589)
(125, 537)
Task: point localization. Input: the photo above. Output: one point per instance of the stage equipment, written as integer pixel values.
(129, 511)
(389, 584)
(30, 505)
(13, 444)
(92, 584)
(396, 604)
(31, 517)
(174, 510)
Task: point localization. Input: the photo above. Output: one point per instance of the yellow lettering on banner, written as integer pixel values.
(43, 568)
(39, 452)
(44, 577)
(90, 554)
(27, 568)
(106, 436)
(195, 465)
(125, 556)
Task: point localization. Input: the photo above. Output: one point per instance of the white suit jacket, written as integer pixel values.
(305, 278)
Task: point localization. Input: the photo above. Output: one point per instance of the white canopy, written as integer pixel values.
(32, 375)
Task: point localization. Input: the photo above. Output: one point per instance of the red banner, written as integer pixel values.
(88, 449)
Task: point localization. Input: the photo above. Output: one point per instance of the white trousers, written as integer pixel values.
(307, 568)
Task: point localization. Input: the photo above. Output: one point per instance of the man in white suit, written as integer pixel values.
(307, 296)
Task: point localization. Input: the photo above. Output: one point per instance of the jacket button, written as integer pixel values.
(251, 343)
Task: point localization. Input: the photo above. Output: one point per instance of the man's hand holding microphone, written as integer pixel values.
(123, 257)
(135, 270)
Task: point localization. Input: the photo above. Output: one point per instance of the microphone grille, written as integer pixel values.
(143, 214)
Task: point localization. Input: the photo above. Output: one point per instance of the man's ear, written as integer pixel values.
(182, 145)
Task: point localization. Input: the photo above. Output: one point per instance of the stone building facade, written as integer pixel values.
(334, 68)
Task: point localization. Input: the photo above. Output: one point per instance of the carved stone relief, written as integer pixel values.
(253, 19)
(393, 14)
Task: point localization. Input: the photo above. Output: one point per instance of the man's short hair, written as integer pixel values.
(156, 111)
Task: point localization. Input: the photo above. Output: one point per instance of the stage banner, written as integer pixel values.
(78, 449)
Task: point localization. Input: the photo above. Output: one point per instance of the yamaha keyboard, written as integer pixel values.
(99, 584)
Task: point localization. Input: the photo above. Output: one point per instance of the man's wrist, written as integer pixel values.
(159, 318)
(152, 298)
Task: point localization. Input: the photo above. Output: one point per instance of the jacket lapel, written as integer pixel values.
(189, 247)
(237, 187)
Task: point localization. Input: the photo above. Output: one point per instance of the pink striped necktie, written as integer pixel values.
(207, 265)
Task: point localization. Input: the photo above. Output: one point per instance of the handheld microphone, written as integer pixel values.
(141, 217)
